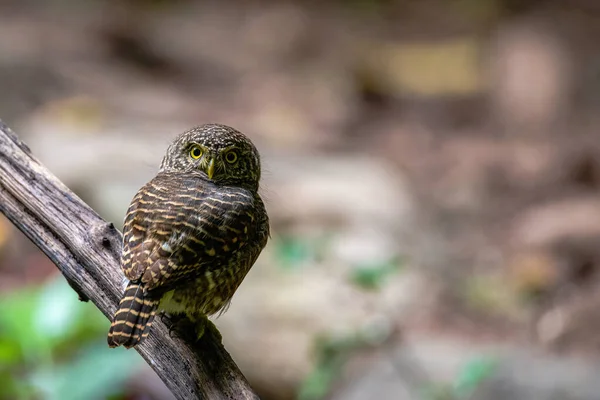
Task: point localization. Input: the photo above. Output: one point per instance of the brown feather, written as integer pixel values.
(190, 236)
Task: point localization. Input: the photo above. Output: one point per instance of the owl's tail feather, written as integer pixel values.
(132, 321)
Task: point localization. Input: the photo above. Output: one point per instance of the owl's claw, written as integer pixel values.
(174, 323)
(192, 328)
(195, 327)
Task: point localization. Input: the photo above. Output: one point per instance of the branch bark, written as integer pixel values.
(86, 249)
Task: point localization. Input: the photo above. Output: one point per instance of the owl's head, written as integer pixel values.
(218, 152)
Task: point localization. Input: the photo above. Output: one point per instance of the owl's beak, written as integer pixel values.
(210, 170)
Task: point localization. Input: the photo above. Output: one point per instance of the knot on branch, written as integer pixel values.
(105, 236)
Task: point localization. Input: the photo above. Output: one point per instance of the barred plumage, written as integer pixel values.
(192, 233)
(134, 317)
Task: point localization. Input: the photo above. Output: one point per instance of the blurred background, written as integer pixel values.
(431, 171)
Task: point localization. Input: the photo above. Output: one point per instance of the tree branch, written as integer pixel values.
(86, 249)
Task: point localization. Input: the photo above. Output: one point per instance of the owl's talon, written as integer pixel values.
(174, 323)
(183, 326)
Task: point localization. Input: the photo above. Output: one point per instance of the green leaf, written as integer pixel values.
(332, 354)
(57, 310)
(10, 352)
(96, 373)
(473, 374)
(293, 251)
(317, 384)
(373, 276)
(13, 388)
(17, 321)
(42, 334)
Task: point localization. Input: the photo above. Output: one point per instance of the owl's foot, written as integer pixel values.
(203, 325)
(167, 319)
(178, 324)
(190, 328)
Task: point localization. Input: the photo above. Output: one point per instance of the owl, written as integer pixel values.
(192, 233)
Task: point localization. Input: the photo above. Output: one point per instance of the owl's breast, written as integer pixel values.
(208, 294)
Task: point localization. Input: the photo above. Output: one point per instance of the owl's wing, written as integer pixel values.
(177, 233)
(141, 222)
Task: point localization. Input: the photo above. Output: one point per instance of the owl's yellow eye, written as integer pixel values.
(196, 152)
(231, 157)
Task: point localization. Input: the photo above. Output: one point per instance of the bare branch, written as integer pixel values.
(86, 250)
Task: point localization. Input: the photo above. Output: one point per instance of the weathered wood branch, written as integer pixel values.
(86, 250)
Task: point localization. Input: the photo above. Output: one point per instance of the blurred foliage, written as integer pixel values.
(52, 346)
(332, 353)
(469, 378)
(292, 252)
(473, 374)
(295, 251)
(373, 276)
